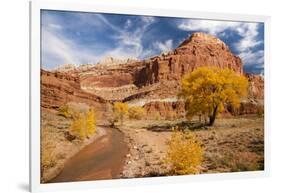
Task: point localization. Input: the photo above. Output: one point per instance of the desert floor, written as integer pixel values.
(137, 148)
(231, 145)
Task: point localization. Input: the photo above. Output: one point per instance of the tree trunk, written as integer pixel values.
(211, 120)
(212, 117)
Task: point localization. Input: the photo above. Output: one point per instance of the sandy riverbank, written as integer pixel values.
(56, 147)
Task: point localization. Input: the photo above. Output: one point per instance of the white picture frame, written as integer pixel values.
(36, 6)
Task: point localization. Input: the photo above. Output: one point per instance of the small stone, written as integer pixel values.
(147, 163)
(149, 150)
(128, 155)
(144, 145)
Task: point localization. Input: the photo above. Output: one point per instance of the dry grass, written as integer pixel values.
(234, 144)
(54, 145)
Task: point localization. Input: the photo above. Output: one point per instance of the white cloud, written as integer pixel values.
(164, 46)
(55, 26)
(147, 19)
(209, 26)
(128, 24)
(249, 33)
(253, 58)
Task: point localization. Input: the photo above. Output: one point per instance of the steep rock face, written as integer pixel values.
(199, 50)
(59, 88)
(256, 86)
(166, 109)
(110, 82)
(109, 76)
(254, 103)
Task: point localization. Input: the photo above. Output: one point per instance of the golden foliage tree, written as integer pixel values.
(84, 124)
(120, 110)
(136, 112)
(91, 122)
(207, 90)
(78, 126)
(185, 153)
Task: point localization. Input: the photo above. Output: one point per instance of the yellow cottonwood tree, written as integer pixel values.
(207, 90)
(84, 124)
(90, 122)
(78, 126)
(120, 111)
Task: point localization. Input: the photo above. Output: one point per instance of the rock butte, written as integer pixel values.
(152, 81)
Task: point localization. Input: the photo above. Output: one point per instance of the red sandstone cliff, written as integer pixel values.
(155, 78)
(60, 88)
(124, 80)
(199, 50)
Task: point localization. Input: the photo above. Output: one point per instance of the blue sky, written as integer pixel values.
(80, 38)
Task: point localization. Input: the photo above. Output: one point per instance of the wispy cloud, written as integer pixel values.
(163, 46)
(58, 49)
(129, 42)
(253, 59)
